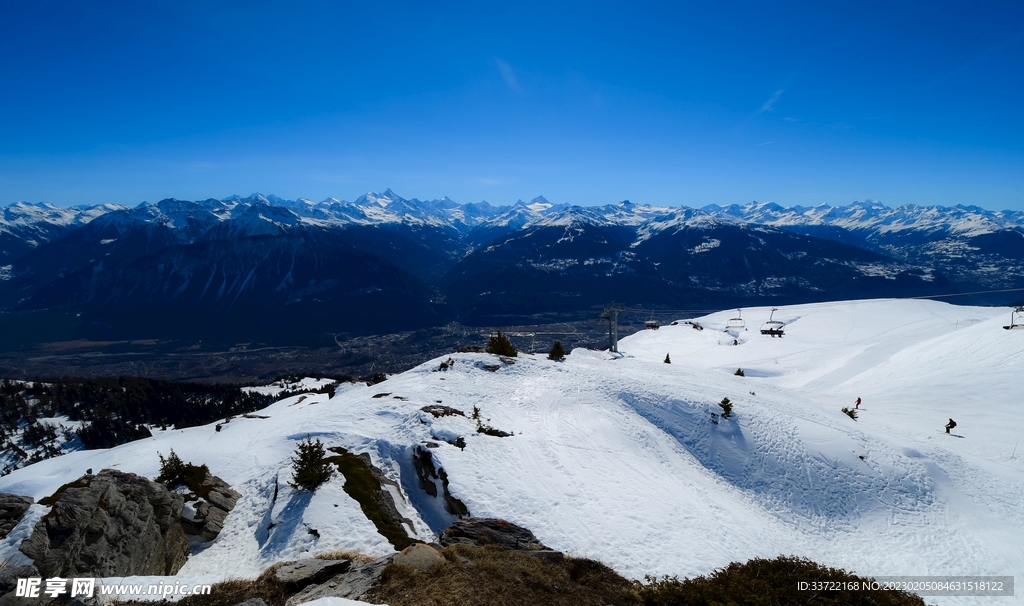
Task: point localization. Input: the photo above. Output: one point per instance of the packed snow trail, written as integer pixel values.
(617, 456)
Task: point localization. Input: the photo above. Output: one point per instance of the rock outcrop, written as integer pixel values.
(12, 509)
(493, 531)
(429, 475)
(9, 576)
(205, 518)
(353, 584)
(112, 524)
(301, 574)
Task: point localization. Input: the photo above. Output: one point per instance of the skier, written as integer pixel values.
(950, 425)
(857, 405)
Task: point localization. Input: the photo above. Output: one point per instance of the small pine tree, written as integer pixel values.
(171, 468)
(476, 413)
(310, 468)
(174, 472)
(557, 352)
(726, 408)
(668, 360)
(499, 344)
(850, 412)
(739, 372)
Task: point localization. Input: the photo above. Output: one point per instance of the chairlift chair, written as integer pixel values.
(1016, 319)
(736, 323)
(773, 328)
(652, 323)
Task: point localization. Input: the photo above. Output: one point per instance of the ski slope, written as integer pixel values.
(617, 456)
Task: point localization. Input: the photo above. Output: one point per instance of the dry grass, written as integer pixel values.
(490, 576)
(762, 582)
(344, 554)
(232, 592)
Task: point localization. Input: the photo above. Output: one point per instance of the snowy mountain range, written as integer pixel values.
(627, 459)
(236, 267)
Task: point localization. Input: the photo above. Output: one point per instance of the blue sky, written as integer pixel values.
(586, 103)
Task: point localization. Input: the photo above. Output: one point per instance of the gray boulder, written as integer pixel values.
(298, 575)
(12, 509)
(211, 513)
(420, 556)
(208, 522)
(219, 493)
(352, 584)
(112, 524)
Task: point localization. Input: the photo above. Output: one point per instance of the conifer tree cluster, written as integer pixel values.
(499, 344)
(174, 472)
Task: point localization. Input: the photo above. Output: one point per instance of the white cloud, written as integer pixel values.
(770, 103)
(508, 75)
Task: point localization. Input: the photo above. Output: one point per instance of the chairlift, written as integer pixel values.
(1016, 319)
(652, 323)
(736, 323)
(773, 328)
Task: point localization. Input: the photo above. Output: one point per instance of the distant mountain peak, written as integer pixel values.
(383, 200)
(867, 203)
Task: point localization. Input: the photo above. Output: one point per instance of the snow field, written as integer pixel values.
(616, 457)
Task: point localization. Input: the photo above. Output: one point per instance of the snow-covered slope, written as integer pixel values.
(871, 215)
(618, 457)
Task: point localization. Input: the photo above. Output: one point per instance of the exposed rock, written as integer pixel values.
(219, 493)
(438, 411)
(112, 524)
(12, 599)
(428, 475)
(210, 514)
(12, 509)
(252, 602)
(213, 523)
(298, 575)
(352, 584)
(9, 576)
(420, 556)
(490, 531)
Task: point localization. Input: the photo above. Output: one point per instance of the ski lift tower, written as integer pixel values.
(611, 313)
(1015, 318)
